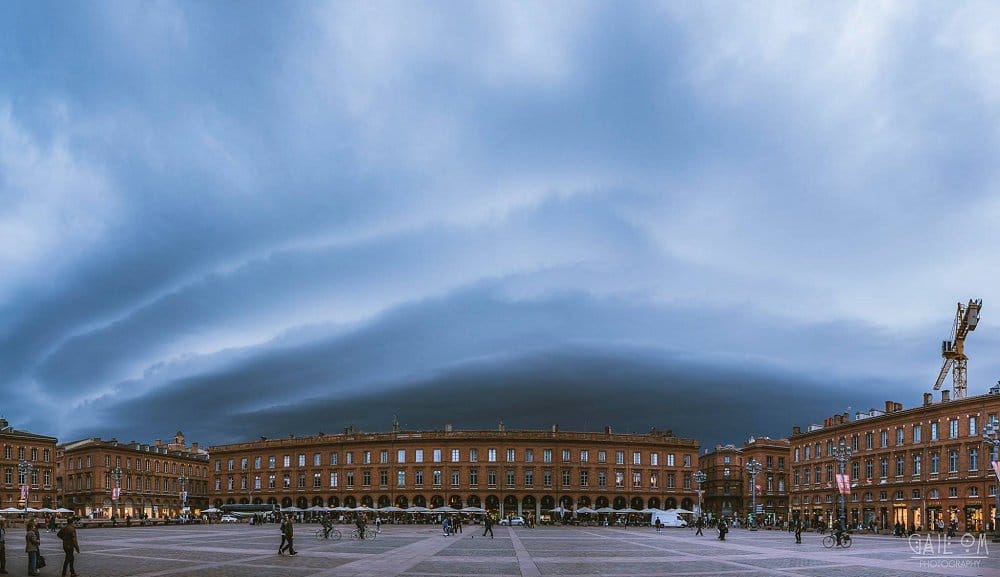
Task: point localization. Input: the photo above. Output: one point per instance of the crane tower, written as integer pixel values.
(953, 349)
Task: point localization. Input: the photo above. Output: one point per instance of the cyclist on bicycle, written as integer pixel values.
(359, 522)
(838, 532)
(327, 527)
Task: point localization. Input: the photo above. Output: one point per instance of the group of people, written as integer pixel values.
(33, 541)
(451, 525)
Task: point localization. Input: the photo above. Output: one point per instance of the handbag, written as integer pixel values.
(41, 561)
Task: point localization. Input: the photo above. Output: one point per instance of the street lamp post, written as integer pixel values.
(753, 467)
(842, 454)
(183, 481)
(699, 478)
(991, 437)
(25, 469)
(116, 474)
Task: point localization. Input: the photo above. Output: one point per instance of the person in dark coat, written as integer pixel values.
(488, 526)
(32, 540)
(699, 524)
(798, 531)
(3, 546)
(287, 537)
(723, 529)
(70, 546)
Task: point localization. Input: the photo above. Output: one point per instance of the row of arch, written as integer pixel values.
(491, 502)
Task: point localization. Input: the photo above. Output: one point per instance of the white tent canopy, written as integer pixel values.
(586, 510)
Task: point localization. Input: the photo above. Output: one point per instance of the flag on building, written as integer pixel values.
(24, 491)
(115, 493)
(844, 484)
(996, 468)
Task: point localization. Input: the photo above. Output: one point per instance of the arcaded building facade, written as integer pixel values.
(726, 491)
(156, 480)
(38, 474)
(909, 466)
(505, 472)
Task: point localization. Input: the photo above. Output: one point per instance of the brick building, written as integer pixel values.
(38, 453)
(151, 477)
(505, 472)
(726, 491)
(909, 466)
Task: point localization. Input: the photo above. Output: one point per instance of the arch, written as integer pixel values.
(474, 501)
(402, 502)
(419, 501)
(566, 502)
(272, 501)
(350, 501)
(548, 502)
(637, 503)
(687, 504)
(302, 502)
(367, 501)
(619, 502)
(230, 501)
(317, 501)
(383, 501)
(510, 502)
(286, 502)
(257, 501)
(492, 503)
(528, 502)
(244, 501)
(654, 503)
(583, 501)
(601, 502)
(437, 501)
(455, 501)
(670, 503)
(217, 503)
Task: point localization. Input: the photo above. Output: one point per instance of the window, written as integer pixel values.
(973, 459)
(770, 462)
(510, 477)
(302, 459)
(952, 492)
(366, 457)
(256, 482)
(547, 477)
(565, 477)
(671, 480)
(869, 469)
(654, 459)
(455, 456)
(584, 456)
(287, 481)
(350, 479)
(401, 478)
(383, 456)
(529, 455)
(899, 435)
(619, 457)
(286, 461)
(491, 455)
(256, 462)
(953, 461)
(900, 465)
(725, 472)
(473, 455)
(884, 467)
(317, 480)
(884, 438)
(973, 426)
(933, 494)
(619, 478)
(854, 442)
(474, 477)
(456, 478)
(383, 478)
(529, 478)
(333, 458)
(636, 458)
(229, 464)
(418, 456)
(687, 460)
(670, 459)
(869, 440)
(808, 453)
(917, 429)
(973, 491)
(916, 464)
(491, 477)
(636, 479)
(855, 470)
(934, 431)
(547, 456)
(366, 478)
(654, 480)
(401, 456)
(796, 457)
(935, 463)
(418, 477)
(271, 481)
(510, 455)
(565, 455)
(602, 479)
(602, 456)
(953, 428)
(726, 459)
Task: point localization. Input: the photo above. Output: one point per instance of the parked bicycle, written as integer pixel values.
(332, 534)
(830, 540)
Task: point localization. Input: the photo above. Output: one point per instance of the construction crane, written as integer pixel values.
(953, 349)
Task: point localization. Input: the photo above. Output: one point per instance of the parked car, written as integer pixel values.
(228, 519)
(512, 521)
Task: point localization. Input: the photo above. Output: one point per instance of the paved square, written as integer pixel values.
(421, 550)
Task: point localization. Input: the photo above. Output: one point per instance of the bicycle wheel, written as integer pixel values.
(846, 542)
(370, 533)
(828, 541)
(319, 534)
(335, 535)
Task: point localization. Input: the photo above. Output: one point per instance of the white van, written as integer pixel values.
(668, 519)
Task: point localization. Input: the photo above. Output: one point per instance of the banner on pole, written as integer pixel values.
(24, 491)
(844, 484)
(996, 468)
(115, 493)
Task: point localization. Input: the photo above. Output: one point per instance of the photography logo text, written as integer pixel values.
(944, 551)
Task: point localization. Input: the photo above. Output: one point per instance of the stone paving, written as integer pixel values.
(422, 551)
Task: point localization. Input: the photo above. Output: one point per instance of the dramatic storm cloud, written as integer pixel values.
(268, 219)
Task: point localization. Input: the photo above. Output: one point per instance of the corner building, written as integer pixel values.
(726, 492)
(910, 466)
(505, 472)
(38, 453)
(153, 477)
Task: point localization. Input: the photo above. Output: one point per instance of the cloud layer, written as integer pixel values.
(288, 219)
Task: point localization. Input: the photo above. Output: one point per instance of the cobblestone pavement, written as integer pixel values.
(422, 551)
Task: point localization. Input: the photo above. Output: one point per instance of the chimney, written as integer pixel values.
(194, 447)
(158, 442)
(447, 428)
(555, 428)
(796, 430)
(607, 429)
(897, 407)
(888, 406)
(846, 417)
(945, 395)
(928, 398)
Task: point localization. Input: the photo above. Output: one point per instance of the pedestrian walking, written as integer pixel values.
(70, 546)
(798, 531)
(699, 524)
(287, 537)
(723, 529)
(658, 524)
(3, 546)
(488, 526)
(32, 541)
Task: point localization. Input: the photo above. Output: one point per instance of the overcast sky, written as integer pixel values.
(723, 219)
